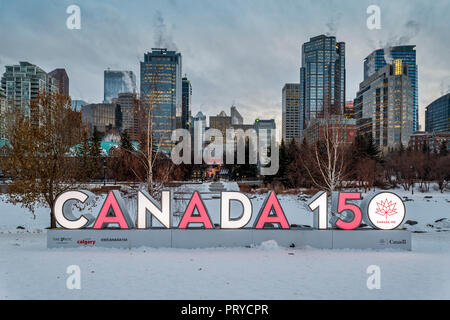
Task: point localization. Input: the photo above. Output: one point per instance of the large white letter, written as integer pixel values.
(147, 203)
(234, 223)
(63, 209)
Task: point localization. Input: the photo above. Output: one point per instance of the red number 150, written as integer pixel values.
(319, 201)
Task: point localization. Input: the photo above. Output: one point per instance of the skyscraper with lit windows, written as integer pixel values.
(161, 89)
(322, 79)
(383, 107)
(407, 54)
(290, 112)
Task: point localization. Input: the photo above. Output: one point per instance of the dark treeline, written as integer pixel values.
(365, 166)
(125, 164)
(299, 166)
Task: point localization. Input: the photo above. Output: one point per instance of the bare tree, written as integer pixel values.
(146, 155)
(366, 171)
(327, 167)
(405, 167)
(40, 157)
(442, 172)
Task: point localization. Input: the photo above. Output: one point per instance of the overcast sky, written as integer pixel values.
(233, 51)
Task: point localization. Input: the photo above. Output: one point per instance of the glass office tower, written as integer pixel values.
(380, 57)
(186, 103)
(437, 115)
(116, 82)
(322, 79)
(290, 112)
(161, 88)
(382, 107)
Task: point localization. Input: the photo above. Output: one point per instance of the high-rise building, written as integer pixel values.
(237, 123)
(198, 129)
(437, 115)
(102, 116)
(161, 89)
(116, 82)
(407, 53)
(268, 125)
(340, 127)
(221, 122)
(291, 112)
(129, 108)
(322, 79)
(384, 106)
(349, 110)
(77, 105)
(236, 117)
(186, 103)
(23, 82)
(62, 80)
(265, 129)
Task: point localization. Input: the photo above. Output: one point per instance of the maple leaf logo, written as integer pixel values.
(386, 208)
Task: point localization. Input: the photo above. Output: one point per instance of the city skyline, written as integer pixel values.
(252, 64)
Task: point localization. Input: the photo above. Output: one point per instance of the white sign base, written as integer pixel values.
(206, 238)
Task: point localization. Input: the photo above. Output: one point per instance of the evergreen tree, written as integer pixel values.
(289, 164)
(125, 142)
(401, 149)
(372, 150)
(95, 155)
(268, 178)
(443, 151)
(283, 163)
(96, 148)
(246, 169)
(364, 147)
(425, 148)
(85, 158)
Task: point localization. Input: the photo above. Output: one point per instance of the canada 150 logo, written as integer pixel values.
(384, 211)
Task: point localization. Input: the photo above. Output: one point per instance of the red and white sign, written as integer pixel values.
(386, 211)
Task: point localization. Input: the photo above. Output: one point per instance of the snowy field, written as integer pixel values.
(28, 270)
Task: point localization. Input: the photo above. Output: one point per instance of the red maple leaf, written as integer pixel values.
(386, 208)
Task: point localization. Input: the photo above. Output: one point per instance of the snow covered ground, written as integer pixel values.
(28, 270)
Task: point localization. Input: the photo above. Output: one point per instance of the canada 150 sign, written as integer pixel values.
(385, 211)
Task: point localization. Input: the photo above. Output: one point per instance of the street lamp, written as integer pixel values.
(104, 172)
